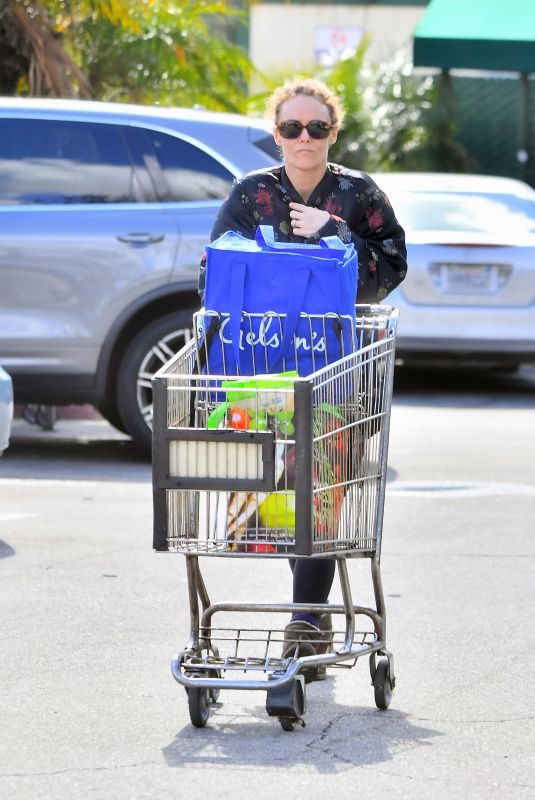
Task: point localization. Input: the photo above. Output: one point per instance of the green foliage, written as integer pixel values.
(395, 119)
(178, 54)
(174, 52)
(350, 78)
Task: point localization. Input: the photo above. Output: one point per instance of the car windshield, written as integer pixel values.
(474, 213)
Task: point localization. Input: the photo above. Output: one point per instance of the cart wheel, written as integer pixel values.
(288, 703)
(288, 723)
(382, 685)
(199, 710)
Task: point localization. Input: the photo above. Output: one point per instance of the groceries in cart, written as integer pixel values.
(251, 402)
(261, 521)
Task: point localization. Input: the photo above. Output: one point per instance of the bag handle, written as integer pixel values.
(265, 238)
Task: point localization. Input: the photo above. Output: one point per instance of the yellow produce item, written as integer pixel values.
(278, 511)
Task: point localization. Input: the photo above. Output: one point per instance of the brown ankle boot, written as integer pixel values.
(303, 639)
(326, 628)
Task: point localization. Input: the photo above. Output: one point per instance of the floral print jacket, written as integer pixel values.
(360, 213)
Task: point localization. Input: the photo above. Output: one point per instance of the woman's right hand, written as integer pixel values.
(307, 220)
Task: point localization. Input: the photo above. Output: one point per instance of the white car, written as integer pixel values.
(469, 294)
(6, 409)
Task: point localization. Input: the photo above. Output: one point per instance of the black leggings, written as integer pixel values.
(312, 579)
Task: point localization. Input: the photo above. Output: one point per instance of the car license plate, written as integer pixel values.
(468, 278)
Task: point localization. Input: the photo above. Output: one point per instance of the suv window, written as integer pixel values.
(266, 143)
(190, 173)
(53, 161)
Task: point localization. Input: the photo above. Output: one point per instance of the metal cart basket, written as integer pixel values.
(274, 466)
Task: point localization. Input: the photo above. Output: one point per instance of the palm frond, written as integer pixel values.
(51, 72)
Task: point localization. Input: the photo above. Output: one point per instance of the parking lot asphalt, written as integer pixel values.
(91, 618)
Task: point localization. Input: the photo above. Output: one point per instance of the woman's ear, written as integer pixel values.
(333, 135)
(277, 136)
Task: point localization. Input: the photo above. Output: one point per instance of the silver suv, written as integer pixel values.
(104, 213)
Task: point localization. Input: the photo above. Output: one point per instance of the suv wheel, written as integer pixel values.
(149, 350)
(111, 414)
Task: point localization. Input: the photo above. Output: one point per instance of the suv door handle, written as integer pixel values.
(142, 238)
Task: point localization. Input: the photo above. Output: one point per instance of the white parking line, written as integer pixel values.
(9, 516)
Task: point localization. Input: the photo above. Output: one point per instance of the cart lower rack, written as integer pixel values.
(275, 466)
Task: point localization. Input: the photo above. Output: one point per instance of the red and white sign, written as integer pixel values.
(333, 42)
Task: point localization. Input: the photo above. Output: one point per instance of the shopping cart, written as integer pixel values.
(274, 466)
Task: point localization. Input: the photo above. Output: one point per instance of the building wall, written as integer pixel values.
(286, 37)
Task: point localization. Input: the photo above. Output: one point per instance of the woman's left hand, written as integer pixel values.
(306, 220)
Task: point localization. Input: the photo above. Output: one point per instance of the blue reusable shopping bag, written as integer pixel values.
(279, 280)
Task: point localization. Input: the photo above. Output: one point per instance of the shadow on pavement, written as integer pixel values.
(350, 736)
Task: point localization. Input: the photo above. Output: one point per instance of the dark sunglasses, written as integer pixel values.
(292, 129)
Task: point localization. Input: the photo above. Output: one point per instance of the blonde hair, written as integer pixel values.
(311, 88)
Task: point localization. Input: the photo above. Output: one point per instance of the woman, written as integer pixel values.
(305, 199)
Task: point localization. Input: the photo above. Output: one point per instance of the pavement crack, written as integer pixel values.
(486, 721)
(324, 732)
(321, 741)
(67, 770)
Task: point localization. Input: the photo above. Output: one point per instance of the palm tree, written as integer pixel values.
(33, 53)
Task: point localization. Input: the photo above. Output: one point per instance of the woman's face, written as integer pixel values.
(304, 153)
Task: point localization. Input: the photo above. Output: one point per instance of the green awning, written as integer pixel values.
(477, 34)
